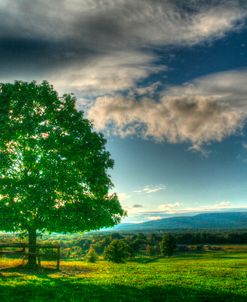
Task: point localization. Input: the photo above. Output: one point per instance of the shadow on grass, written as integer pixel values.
(144, 259)
(233, 257)
(42, 272)
(23, 269)
(80, 290)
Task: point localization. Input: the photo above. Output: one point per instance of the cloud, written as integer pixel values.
(154, 217)
(224, 204)
(207, 109)
(112, 23)
(124, 35)
(97, 47)
(105, 50)
(137, 206)
(178, 208)
(117, 71)
(217, 206)
(151, 189)
(169, 207)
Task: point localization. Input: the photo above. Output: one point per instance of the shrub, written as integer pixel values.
(117, 251)
(91, 255)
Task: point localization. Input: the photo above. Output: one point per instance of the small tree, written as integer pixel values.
(117, 251)
(53, 166)
(150, 250)
(168, 245)
(91, 255)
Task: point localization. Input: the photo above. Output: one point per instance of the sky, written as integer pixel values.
(165, 81)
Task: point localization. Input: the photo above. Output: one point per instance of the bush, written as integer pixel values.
(91, 255)
(168, 245)
(117, 251)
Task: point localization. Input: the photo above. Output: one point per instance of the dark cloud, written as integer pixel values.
(40, 37)
(21, 55)
(137, 206)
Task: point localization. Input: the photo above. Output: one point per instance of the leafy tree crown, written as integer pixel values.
(53, 166)
(117, 251)
(168, 245)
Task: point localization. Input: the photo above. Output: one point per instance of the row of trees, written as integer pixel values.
(212, 237)
(140, 243)
(149, 244)
(119, 250)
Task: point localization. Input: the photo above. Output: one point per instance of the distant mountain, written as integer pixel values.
(227, 220)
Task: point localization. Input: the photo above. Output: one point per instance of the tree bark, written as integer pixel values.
(32, 241)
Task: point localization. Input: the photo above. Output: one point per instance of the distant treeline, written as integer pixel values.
(231, 237)
(77, 245)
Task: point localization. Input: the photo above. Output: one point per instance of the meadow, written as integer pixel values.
(195, 277)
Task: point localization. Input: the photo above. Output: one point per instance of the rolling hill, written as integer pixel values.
(223, 220)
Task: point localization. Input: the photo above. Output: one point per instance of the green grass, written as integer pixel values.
(205, 277)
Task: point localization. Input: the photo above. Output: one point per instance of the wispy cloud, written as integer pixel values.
(109, 73)
(178, 207)
(169, 207)
(151, 189)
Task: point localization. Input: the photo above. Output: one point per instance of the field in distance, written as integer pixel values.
(194, 277)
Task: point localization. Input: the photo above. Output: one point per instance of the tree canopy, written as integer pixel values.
(117, 251)
(53, 165)
(168, 245)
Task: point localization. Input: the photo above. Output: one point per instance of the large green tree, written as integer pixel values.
(53, 166)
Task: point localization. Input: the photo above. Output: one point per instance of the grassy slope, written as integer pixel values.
(217, 276)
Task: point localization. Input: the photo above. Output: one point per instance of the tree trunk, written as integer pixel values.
(32, 241)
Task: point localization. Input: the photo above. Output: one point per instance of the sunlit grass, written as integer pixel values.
(214, 276)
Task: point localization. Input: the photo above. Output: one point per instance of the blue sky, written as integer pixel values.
(165, 81)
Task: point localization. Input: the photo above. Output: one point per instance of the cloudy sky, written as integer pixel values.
(165, 81)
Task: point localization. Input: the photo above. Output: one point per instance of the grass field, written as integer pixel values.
(215, 276)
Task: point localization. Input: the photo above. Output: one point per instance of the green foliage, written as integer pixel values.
(117, 251)
(48, 254)
(75, 252)
(150, 250)
(53, 166)
(91, 255)
(168, 245)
